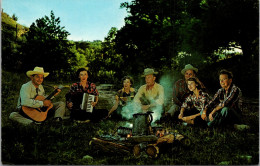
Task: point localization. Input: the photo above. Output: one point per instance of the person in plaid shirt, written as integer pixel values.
(181, 91)
(75, 95)
(198, 99)
(224, 108)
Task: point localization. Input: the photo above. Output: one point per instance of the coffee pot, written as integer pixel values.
(142, 123)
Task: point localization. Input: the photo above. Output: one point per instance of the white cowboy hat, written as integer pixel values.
(188, 67)
(37, 70)
(149, 71)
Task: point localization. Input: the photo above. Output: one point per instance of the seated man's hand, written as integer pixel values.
(184, 118)
(108, 115)
(124, 98)
(69, 105)
(47, 103)
(204, 116)
(58, 91)
(41, 98)
(180, 116)
(211, 116)
(145, 107)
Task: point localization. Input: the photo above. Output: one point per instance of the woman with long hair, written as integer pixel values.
(197, 99)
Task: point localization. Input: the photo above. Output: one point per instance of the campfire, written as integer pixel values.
(141, 137)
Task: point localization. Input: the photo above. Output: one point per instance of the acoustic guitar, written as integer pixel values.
(39, 114)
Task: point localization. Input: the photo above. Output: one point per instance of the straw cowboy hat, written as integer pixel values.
(188, 67)
(37, 70)
(149, 71)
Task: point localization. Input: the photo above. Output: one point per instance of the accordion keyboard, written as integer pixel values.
(86, 102)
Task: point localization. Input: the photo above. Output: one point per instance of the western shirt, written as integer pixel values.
(75, 95)
(181, 91)
(28, 94)
(156, 94)
(231, 98)
(199, 103)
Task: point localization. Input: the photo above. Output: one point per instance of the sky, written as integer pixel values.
(85, 20)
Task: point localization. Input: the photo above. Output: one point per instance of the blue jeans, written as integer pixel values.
(225, 116)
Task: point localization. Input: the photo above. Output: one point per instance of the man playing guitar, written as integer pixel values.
(32, 104)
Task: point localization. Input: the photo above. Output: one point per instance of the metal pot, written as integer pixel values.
(142, 123)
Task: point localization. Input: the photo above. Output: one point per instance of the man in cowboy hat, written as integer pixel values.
(181, 91)
(29, 91)
(150, 97)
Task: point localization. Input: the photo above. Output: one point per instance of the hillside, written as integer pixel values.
(10, 25)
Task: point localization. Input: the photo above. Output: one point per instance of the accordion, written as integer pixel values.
(86, 102)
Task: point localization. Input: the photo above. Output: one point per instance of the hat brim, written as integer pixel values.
(29, 73)
(149, 74)
(184, 70)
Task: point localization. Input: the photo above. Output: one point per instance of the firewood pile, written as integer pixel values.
(124, 142)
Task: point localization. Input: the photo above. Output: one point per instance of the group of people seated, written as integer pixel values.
(191, 102)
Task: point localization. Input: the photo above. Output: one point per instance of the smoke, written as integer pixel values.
(157, 113)
(167, 82)
(129, 125)
(132, 108)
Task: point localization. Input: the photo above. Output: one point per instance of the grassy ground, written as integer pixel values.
(67, 143)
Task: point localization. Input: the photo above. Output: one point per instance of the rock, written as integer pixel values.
(87, 158)
(247, 158)
(106, 96)
(241, 127)
(224, 163)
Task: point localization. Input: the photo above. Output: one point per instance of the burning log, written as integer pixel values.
(142, 138)
(152, 150)
(108, 146)
(170, 138)
(137, 150)
(184, 141)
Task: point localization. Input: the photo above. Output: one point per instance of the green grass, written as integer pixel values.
(68, 143)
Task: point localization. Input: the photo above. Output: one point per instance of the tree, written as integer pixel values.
(158, 31)
(112, 60)
(232, 21)
(95, 59)
(47, 46)
(14, 17)
(149, 37)
(209, 25)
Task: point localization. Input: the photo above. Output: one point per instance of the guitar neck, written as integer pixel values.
(52, 94)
